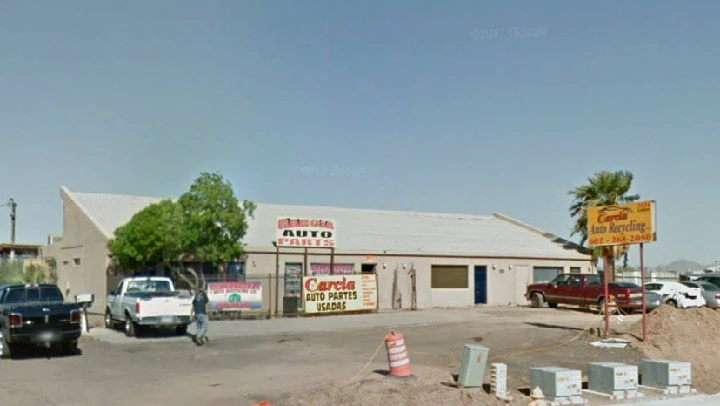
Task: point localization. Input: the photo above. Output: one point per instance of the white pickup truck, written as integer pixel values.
(148, 301)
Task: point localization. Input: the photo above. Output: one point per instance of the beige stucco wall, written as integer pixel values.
(506, 277)
(81, 239)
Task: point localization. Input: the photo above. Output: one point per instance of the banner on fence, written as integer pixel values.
(235, 295)
(339, 293)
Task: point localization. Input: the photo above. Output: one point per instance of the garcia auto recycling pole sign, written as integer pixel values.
(622, 224)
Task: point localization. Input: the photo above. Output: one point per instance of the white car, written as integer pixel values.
(676, 294)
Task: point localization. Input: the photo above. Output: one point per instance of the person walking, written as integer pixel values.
(199, 314)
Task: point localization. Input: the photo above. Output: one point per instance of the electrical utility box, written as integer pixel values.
(498, 380)
(612, 377)
(473, 365)
(664, 374)
(557, 382)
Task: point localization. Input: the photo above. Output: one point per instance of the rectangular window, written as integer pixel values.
(545, 273)
(593, 280)
(576, 281)
(237, 269)
(77, 261)
(66, 263)
(293, 279)
(449, 277)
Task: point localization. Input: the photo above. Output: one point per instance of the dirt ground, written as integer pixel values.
(311, 368)
(545, 345)
(689, 335)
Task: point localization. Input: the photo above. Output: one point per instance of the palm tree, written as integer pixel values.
(605, 188)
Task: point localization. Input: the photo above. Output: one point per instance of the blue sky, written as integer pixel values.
(461, 106)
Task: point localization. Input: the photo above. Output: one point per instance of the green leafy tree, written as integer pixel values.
(11, 271)
(207, 224)
(51, 271)
(605, 188)
(36, 274)
(213, 220)
(151, 237)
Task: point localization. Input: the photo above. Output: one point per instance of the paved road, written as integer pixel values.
(279, 359)
(489, 315)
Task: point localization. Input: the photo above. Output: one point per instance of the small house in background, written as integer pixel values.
(9, 251)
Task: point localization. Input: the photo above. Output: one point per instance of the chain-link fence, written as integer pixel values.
(258, 296)
(235, 296)
(650, 276)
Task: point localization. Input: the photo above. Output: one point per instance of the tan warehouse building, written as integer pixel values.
(457, 260)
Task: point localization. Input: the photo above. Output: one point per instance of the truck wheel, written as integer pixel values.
(601, 306)
(130, 328)
(108, 320)
(6, 351)
(672, 303)
(537, 300)
(70, 348)
(181, 330)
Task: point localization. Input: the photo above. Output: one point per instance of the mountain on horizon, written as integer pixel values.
(684, 265)
(680, 265)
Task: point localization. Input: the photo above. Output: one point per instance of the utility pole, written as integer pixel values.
(13, 216)
(13, 212)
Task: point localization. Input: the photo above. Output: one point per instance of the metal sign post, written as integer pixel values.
(606, 301)
(642, 282)
(85, 326)
(277, 279)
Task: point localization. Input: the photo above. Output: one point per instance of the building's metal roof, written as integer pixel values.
(367, 231)
(22, 247)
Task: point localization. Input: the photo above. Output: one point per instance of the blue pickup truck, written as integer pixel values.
(37, 315)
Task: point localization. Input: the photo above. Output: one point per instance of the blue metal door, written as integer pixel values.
(480, 284)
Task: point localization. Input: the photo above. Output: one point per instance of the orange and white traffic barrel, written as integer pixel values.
(397, 355)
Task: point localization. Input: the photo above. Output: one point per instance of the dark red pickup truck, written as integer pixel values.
(583, 290)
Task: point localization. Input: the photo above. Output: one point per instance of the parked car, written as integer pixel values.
(148, 301)
(583, 290)
(653, 300)
(32, 314)
(676, 294)
(710, 292)
(712, 278)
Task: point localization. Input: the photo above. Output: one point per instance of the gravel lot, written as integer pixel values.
(282, 360)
